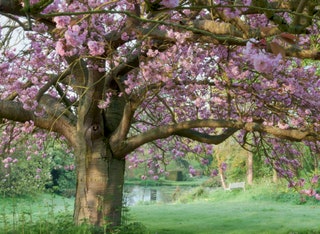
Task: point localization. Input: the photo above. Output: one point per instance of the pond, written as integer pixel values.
(136, 194)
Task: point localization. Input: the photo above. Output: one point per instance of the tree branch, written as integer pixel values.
(14, 111)
(120, 149)
(52, 82)
(206, 138)
(289, 134)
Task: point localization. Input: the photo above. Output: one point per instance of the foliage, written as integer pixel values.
(134, 228)
(25, 172)
(63, 173)
(24, 176)
(194, 194)
(47, 213)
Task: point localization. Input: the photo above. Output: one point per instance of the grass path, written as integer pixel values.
(229, 217)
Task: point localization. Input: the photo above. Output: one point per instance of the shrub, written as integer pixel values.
(133, 228)
(62, 172)
(25, 176)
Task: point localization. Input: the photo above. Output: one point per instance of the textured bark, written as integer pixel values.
(99, 188)
(250, 168)
(275, 176)
(222, 178)
(11, 6)
(100, 176)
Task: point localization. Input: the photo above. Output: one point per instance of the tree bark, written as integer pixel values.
(250, 168)
(99, 188)
(274, 176)
(100, 175)
(222, 178)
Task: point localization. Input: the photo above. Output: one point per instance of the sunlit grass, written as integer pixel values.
(228, 217)
(264, 208)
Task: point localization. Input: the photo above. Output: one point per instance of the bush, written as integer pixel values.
(63, 223)
(26, 176)
(194, 194)
(63, 173)
(63, 182)
(133, 228)
(212, 182)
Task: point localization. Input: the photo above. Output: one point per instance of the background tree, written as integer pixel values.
(112, 76)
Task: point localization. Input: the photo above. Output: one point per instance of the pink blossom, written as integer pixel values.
(60, 48)
(96, 48)
(223, 166)
(250, 47)
(62, 21)
(214, 172)
(125, 36)
(283, 125)
(192, 171)
(73, 37)
(262, 63)
(28, 126)
(170, 3)
(204, 161)
(308, 192)
(315, 179)
(232, 12)
(103, 104)
(317, 196)
(7, 160)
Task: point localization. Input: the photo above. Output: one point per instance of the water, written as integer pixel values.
(139, 194)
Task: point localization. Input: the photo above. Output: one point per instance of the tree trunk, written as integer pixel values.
(250, 168)
(275, 176)
(100, 176)
(222, 178)
(99, 190)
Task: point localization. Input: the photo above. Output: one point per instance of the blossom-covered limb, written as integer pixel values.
(207, 138)
(14, 111)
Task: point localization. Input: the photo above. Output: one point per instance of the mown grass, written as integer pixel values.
(265, 208)
(228, 217)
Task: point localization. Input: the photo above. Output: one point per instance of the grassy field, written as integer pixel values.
(229, 217)
(263, 209)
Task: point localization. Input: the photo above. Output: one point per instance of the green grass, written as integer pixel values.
(163, 182)
(263, 209)
(19, 213)
(228, 217)
(38, 205)
(266, 208)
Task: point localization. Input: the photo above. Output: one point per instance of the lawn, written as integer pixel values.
(228, 217)
(266, 208)
(257, 210)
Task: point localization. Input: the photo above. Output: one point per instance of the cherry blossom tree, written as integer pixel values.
(112, 76)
